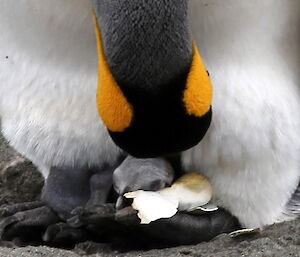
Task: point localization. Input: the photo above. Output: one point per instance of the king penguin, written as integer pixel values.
(250, 153)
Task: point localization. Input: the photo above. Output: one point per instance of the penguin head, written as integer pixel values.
(154, 93)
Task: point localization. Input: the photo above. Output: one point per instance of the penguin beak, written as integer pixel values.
(163, 122)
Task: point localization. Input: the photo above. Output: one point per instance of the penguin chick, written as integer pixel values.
(147, 174)
(187, 193)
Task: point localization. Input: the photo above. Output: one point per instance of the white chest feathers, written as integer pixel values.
(48, 83)
(251, 152)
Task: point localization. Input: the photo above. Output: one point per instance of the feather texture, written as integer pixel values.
(251, 152)
(251, 49)
(48, 83)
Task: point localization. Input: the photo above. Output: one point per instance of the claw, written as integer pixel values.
(62, 232)
(75, 221)
(5, 222)
(8, 210)
(25, 224)
(97, 215)
(127, 216)
(9, 244)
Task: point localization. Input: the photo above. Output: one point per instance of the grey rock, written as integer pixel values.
(6, 153)
(19, 179)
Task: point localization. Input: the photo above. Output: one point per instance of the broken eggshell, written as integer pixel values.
(152, 205)
(187, 193)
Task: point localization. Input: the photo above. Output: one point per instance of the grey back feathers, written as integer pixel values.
(147, 43)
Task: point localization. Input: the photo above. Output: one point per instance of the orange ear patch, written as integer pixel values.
(197, 96)
(113, 106)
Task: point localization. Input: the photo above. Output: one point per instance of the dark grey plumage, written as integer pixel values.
(143, 55)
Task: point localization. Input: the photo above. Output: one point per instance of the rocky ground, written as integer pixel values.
(20, 182)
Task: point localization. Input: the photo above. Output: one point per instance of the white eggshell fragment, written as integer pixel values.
(187, 193)
(152, 206)
(245, 231)
(203, 209)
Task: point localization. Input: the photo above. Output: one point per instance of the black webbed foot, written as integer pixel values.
(92, 215)
(182, 229)
(25, 222)
(8, 210)
(62, 234)
(99, 220)
(21, 226)
(102, 224)
(44, 222)
(74, 192)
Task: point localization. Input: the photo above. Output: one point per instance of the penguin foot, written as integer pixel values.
(92, 215)
(63, 235)
(102, 224)
(25, 222)
(188, 228)
(99, 220)
(35, 223)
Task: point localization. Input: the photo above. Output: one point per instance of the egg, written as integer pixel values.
(189, 192)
